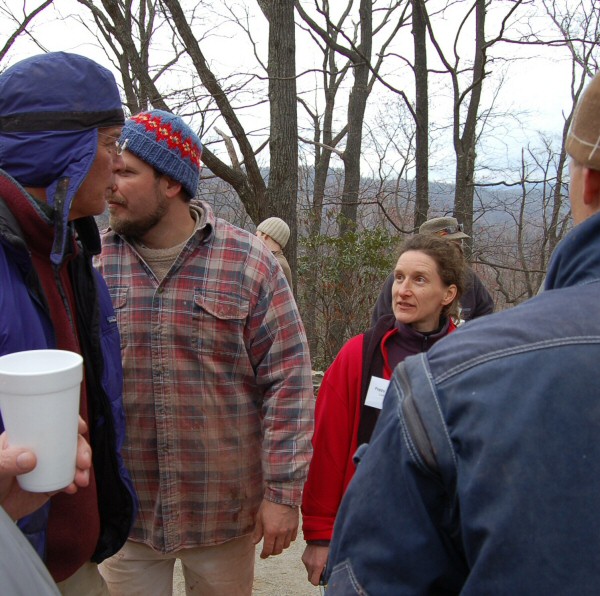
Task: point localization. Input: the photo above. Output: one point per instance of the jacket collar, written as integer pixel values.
(576, 260)
(27, 225)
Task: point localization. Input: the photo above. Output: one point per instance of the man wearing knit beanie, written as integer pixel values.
(275, 233)
(487, 450)
(60, 119)
(218, 390)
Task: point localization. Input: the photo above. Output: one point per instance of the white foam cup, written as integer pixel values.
(39, 403)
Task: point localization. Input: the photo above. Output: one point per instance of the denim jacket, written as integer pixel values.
(483, 472)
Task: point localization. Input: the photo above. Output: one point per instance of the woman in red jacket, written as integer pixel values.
(428, 282)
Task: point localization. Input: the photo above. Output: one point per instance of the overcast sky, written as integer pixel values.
(536, 89)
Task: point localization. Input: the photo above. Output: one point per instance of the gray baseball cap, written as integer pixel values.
(445, 227)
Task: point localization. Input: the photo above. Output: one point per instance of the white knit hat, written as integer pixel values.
(275, 228)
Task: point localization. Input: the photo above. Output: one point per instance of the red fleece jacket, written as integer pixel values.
(337, 417)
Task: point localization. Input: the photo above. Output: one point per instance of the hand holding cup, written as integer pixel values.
(39, 404)
(18, 460)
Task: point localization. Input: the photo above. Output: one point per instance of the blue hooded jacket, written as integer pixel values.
(51, 107)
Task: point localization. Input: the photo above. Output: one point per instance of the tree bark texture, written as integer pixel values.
(282, 192)
(464, 144)
(357, 104)
(419, 31)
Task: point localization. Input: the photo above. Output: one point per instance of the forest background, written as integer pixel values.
(355, 121)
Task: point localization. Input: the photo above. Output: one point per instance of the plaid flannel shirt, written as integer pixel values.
(218, 392)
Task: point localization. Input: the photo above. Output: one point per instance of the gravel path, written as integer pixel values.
(283, 575)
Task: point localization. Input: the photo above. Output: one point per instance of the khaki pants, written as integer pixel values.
(223, 570)
(86, 580)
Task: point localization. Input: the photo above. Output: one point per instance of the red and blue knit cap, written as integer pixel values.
(168, 144)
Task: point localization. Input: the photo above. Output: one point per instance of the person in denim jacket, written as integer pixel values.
(483, 472)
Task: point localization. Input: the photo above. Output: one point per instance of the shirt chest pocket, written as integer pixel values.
(118, 295)
(219, 321)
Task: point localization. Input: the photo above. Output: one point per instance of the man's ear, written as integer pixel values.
(172, 187)
(591, 188)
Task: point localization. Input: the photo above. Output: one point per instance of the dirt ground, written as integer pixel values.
(283, 575)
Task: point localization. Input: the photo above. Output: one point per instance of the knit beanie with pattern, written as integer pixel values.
(277, 229)
(168, 144)
(583, 139)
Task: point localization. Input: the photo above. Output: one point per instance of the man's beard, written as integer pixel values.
(141, 226)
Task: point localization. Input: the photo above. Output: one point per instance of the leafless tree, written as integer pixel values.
(162, 49)
(578, 25)
(355, 43)
(467, 96)
(539, 212)
(516, 247)
(282, 190)
(352, 40)
(419, 32)
(21, 22)
(129, 29)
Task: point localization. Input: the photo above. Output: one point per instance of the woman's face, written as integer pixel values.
(418, 292)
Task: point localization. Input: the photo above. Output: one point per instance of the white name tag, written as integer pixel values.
(376, 392)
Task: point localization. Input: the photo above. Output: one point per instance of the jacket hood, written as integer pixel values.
(51, 107)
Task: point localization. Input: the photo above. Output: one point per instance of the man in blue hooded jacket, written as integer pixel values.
(60, 119)
(483, 473)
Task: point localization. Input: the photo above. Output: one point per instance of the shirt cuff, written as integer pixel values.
(285, 494)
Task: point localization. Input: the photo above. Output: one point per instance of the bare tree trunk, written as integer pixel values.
(556, 229)
(419, 31)
(356, 115)
(464, 145)
(282, 192)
